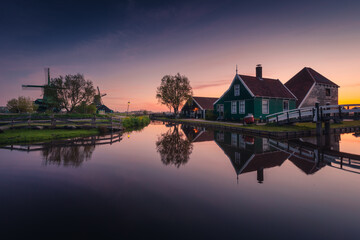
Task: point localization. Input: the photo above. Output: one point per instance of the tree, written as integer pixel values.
(21, 105)
(173, 91)
(72, 90)
(174, 148)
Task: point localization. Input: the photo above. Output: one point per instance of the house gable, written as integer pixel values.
(245, 92)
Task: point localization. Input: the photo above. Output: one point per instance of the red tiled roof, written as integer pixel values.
(266, 87)
(301, 83)
(206, 103)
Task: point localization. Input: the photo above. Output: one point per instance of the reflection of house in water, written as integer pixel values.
(254, 154)
(249, 154)
(197, 134)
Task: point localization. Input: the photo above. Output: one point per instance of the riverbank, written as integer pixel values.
(31, 135)
(269, 130)
(42, 132)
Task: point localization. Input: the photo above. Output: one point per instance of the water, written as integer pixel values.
(168, 182)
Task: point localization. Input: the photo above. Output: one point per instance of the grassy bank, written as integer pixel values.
(135, 123)
(28, 135)
(267, 127)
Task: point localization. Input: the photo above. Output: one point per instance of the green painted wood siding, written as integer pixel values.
(253, 105)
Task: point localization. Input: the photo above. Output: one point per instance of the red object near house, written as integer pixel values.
(249, 119)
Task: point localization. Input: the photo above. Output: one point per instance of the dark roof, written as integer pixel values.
(266, 160)
(266, 87)
(301, 83)
(307, 167)
(204, 136)
(206, 103)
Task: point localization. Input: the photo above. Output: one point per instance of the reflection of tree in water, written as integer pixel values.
(174, 149)
(67, 155)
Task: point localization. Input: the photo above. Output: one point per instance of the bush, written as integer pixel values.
(83, 108)
(210, 115)
(21, 105)
(135, 122)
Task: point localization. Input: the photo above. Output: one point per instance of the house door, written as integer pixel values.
(221, 110)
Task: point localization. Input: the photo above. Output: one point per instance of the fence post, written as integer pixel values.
(12, 123)
(93, 123)
(53, 121)
(287, 115)
(111, 120)
(340, 113)
(119, 123)
(29, 121)
(299, 114)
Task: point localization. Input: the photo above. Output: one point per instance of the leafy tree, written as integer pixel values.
(21, 105)
(72, 90)
(174, 148)
(85, 108)
(173, 91)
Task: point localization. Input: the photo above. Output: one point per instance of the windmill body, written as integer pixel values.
(47, 100)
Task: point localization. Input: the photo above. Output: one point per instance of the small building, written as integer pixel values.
(4, 110)
(253, 95)
(196, 107)
(310, 87)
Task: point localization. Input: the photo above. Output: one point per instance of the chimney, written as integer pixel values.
(259, 71)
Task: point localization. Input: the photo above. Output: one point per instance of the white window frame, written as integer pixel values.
(284, 101)
(262, 106)
(237, 90)
(233, 107)
(241, 103)
(234, 139)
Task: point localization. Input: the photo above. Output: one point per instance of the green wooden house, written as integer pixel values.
(254, 95)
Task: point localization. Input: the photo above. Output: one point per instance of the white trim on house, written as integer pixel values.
(262, 105)
(197, 103)
(307, 94)
(242, 81)
(288, 90)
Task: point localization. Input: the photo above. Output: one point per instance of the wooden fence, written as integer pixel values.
(59, 122)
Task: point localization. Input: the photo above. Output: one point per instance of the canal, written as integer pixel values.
(180, 182)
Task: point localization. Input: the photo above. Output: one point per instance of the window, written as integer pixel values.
(327, 92)
(286, 105)
(237, 90)
(266, 145)
(220, 137)
(242, 106)
(234, 139)
(233, 107)
(265, 106)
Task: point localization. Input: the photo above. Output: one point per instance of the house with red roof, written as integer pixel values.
(310, 87)
(196, 107)
(254, 95)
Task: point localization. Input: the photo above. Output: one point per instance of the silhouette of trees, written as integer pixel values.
(174, 148)
(67, 155)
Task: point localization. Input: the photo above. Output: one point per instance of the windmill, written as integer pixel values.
(100, 104)
(98, 98)
(47, 100)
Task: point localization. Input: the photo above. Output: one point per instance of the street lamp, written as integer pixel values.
(128, 108)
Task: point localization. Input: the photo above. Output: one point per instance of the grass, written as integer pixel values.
(134, 123)
(28, 135)
(271, 127)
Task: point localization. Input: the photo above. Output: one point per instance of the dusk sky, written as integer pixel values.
(126, 47)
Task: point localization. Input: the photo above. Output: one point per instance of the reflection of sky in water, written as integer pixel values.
(125, 190)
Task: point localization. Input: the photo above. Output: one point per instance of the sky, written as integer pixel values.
(126, 47)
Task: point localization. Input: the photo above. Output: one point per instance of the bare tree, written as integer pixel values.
(73, 90)
(173, 91)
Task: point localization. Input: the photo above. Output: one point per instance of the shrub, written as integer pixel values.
(210, 115)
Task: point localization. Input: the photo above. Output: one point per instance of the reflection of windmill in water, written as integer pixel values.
(100, 104)
(47, 101)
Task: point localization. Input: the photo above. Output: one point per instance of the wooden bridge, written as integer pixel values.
(319, 156)
(316, 114)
